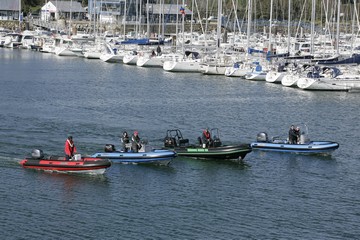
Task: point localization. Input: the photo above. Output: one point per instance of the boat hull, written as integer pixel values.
(181, 66)
(223, 152)
(341, 84)
(156, 156)
(59, 164)
(314, 147)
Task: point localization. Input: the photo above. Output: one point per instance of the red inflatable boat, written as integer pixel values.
(78, 164)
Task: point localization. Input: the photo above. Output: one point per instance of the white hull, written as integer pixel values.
(290, 80)
(236, 72)
(145, 61)
(275, 77)
(130, 59)
(92, 55)
(326, 84)
(256, 76)
(112, 58)
(63, 51)
(212, 69)
(181, 66)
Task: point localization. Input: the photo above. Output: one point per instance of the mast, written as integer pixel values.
(160, 13)
(218, 32)
(183, 26)
(312, 26)
(289, 20)
(177, 27)
(271, 11)
(140, 18)
(249, 24)
(20, 15)
(338, 27)
(70, 30)
(136, 18)
(125, 18)
(147, 20)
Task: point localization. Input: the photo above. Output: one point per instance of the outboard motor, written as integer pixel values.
(109, 148)
(37, 154)
(262, 137)
(304, 138)
(170, 142)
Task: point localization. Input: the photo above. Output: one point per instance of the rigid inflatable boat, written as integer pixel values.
(54, 163)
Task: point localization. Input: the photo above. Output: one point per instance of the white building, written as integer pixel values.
(9, 9)
(55, 10)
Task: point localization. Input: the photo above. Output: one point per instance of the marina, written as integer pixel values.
(299, 57)
(247, 182)
(45, 97)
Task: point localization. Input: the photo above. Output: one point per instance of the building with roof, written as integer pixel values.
(114, 11)
(55, 10)
(9, 9)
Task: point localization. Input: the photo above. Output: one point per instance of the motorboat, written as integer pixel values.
(53, 163)
(305, 146)
(144, 156)
(216, 150)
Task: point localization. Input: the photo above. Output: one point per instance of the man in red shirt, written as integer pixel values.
(70, 148)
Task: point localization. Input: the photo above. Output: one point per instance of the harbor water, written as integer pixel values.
(44, 98)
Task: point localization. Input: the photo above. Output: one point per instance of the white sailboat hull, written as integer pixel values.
(181, 66)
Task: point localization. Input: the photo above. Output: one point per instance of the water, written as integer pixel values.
(44, 98)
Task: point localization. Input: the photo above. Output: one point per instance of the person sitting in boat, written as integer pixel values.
(70, 148)
(135, 142)
(206, 137)
(125, 139)
(292, 135)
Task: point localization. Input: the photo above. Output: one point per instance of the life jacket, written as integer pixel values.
(70, 148)
(207, 134)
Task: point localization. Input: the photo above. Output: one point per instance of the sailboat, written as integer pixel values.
(190, 61)
(216, 65)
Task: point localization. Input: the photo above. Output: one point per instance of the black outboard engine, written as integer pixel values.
(109, 148)
(262, 137)
(37, 154)
(170, 142)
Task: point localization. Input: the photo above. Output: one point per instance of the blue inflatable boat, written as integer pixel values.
(153, 156)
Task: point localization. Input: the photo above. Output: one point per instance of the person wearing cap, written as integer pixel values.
(70, 148)
(135, 142)
(206, 137)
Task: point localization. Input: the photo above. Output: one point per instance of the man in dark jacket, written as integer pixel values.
(292, 135)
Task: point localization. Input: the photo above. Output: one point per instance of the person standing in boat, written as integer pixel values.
(70, 148)
(135, 142)
(297, 134)
(292, 135)
(206, 137)
(124, 141)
